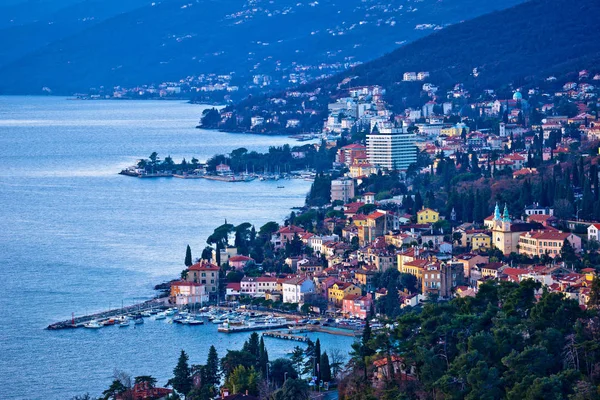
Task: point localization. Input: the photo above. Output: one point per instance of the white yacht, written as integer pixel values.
(93, 324)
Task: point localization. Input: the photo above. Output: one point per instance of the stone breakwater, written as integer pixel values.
(79, 322)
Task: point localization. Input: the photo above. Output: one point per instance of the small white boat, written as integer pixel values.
(124, 323)
(170, 311)
(93, 324)
(160, 315)
(193, 321)
(138, 320)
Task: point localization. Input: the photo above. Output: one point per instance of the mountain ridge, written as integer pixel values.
(177, 38)
(517, 47)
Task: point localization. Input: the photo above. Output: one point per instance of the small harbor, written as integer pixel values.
(287, 327)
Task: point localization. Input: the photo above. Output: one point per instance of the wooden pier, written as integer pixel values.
(286, 336)
(248, 328)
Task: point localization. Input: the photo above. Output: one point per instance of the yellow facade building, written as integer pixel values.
(427, 216)
(481, 241)
(339, 290)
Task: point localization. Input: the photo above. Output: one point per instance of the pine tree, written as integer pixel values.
(594, 299)
(188, 257)
(298, 358)
(207, 253)
(211, 370)
(252, 346)
(309, 362)
(182, 379)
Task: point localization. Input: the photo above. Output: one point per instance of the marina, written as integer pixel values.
(58, 188)
(288, 327)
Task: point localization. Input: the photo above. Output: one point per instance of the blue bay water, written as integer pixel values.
(77, 237)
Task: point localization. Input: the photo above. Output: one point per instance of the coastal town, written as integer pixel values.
(300, 200)
(415, 213)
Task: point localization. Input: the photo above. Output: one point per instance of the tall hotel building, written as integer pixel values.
(391, 148)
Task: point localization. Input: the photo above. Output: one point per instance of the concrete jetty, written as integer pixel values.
(79, 322)
(286, 336)
(248, 328)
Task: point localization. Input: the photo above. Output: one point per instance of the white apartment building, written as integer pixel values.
(392, 148)
(294, 289)
(257, 286)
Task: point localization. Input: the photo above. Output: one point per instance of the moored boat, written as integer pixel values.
(93, 324)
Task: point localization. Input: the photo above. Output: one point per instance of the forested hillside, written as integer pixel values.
(505, 343)
(32, 25)
(173, 39)
(516, 47)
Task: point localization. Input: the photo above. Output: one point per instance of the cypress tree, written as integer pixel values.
(263, 358)
(317, 355)
(418, 203)
(188, 257)
(325, 368)
(587, 201)
(366, 336)
(211, 370)
(594, 179)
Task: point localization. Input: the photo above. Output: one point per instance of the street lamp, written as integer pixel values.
(285, 377)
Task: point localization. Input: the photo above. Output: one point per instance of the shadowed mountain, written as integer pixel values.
(173, 39)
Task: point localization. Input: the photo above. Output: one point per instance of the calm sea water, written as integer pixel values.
(77, 237)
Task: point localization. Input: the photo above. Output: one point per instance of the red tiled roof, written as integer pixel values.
(266, 279)
(299, 280)
(291, 229)
(375, 215)
(546, 235)
(514, 271)
(417, 263)
(240, 258)
(185, 283)
(540, 217)
(204, 266)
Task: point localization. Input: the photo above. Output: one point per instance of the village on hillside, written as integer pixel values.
(424, 205)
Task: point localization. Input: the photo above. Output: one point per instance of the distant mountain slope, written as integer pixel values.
(177, 38)
(26, 34)
(20, 12)
(518, 46)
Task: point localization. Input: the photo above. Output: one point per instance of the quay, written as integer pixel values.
(248, 328)
(129, 172)
(286, 336)
(294, 333)
(79, 322)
